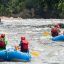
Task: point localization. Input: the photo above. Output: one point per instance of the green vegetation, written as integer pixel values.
(32, 8)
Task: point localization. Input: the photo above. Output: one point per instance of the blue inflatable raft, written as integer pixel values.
(12, 54)
(58, 38)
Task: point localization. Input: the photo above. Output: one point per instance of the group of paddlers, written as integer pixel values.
(23, 43)
(55, 30)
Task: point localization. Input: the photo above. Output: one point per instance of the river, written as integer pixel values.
(42, 49)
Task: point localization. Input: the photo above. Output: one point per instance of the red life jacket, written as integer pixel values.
(25, 44)
(2, 44)
(54, 30)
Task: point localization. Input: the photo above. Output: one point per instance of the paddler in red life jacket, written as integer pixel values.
(55, 30)
(2, 42)
(24, 45)
(3, 37)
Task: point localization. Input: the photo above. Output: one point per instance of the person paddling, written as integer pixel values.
(24, 45)
(55, 30)
(2, 41)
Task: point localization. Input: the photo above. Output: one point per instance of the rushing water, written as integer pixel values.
(49, 52)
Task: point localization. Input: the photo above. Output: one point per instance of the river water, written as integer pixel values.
(42, 49)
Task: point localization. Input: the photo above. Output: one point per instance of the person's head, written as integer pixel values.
(22, 37)
(2, 35)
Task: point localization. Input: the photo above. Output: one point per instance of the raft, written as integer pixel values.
(58, 38)
(12, 54)
(3, 56)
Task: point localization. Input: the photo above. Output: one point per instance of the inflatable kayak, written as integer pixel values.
(58, 38)
(12, 54)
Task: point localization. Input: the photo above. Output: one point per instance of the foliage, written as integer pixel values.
(42, 8)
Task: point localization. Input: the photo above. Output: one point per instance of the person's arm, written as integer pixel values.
(6, 42)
